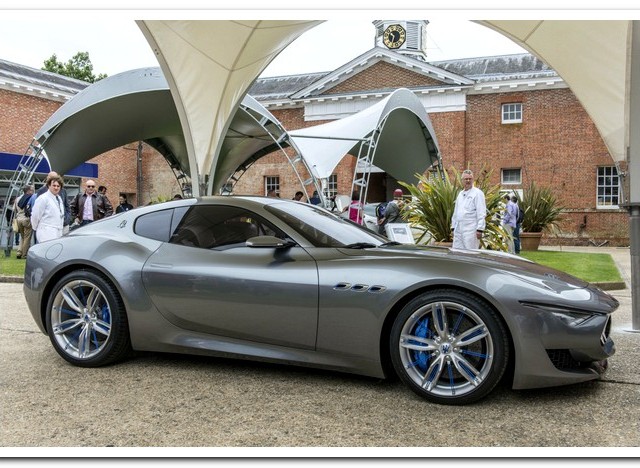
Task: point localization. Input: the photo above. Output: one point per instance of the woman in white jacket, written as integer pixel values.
(47, 215)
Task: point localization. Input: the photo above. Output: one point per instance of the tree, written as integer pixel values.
(78, 67)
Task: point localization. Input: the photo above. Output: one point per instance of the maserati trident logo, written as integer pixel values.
(446, 348)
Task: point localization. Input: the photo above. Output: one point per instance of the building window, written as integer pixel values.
(608, 187)
(511, 176)
(331, 189)
(512, 113)
(272, 183)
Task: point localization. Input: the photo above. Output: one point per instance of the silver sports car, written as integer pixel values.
(283, 281)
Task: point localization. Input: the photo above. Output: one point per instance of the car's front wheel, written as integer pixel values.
(86, 320)
(449, 347)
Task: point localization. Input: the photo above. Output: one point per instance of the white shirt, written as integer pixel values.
(48, 210)
(87, 209)
(470, 210)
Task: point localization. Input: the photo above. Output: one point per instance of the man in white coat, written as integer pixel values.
(468, 220)
(47, 215)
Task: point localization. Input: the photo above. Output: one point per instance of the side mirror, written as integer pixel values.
(269, 242)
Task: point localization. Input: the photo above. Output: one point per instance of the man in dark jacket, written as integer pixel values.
(90, 206)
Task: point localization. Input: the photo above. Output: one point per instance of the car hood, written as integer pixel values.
(503, 261)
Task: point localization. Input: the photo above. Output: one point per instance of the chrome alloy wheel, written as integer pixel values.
(446, 349)
(81, 319)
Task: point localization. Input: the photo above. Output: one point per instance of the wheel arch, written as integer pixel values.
(385, 331)
(65, 270)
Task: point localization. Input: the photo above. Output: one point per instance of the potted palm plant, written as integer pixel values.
(433, 202)
(541, 213)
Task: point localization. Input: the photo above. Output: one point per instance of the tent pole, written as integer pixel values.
(633, 156)
(634, 231)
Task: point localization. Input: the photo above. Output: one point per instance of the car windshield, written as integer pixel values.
(324, 229)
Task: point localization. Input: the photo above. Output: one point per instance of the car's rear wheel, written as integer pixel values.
(86, 320)
(449, 346)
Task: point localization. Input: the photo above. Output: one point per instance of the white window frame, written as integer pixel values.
(511, 182)
(511, 112)
(602, 174)
(272, 183)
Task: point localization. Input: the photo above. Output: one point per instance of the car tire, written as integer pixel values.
(449, 347)
(86, 320)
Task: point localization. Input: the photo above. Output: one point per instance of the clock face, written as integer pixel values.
(394, 36)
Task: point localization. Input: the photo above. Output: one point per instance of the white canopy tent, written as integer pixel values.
(210, 65)
(406, 145)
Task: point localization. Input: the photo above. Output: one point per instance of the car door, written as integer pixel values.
(206, 279)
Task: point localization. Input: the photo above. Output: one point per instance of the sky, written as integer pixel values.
(115, 43)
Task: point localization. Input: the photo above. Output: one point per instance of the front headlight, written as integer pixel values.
(571, 317)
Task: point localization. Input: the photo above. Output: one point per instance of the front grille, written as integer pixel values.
(562, 359)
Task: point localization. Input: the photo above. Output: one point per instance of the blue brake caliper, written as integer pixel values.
(421, 358)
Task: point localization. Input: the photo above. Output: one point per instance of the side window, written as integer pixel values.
(156, 225)
(218, 227)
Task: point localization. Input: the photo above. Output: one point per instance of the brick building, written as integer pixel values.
(509, 115)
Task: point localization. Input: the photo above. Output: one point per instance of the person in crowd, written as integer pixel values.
(23, 217)
(272, 194)
(124, 205)
(509, 222)
(315, 198)
(90, 206)
(355, 208)
(468, 220)
(11, 206)
(392, 211)
(177, 196)
(102, 190)
(516, 231)
(298, 196)
(63, 196)
(47, 215)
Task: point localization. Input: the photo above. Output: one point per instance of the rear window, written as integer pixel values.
(156, 225)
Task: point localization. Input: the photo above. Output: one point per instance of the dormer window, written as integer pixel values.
(512, 113)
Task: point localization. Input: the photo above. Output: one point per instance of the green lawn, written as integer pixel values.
(11, 266)
(591, 267)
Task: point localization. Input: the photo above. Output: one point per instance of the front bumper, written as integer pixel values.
(561, 347)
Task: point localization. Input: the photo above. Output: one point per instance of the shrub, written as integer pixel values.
(541, 209)
(433, 202)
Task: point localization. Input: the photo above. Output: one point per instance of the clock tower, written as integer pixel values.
(407, 37)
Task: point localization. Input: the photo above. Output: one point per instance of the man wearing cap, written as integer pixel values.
(392, 212)
(468, 220)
